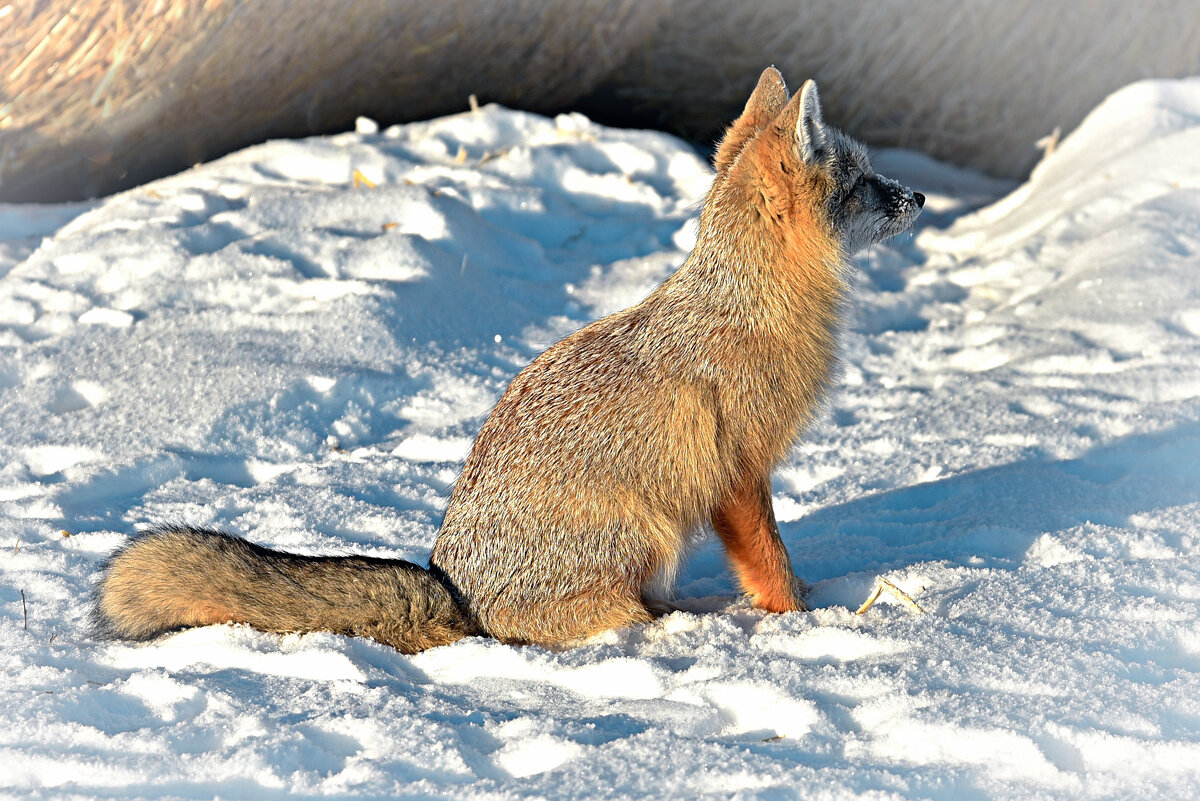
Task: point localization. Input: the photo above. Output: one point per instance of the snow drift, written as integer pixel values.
(260, 346)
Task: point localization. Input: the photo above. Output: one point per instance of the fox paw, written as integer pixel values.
(782, 601)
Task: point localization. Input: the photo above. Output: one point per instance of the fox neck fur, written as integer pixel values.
(756, 307)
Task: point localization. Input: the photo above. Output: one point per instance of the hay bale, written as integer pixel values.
(100, 95)
(974, 82)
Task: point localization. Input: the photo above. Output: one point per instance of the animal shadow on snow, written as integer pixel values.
(997, 513)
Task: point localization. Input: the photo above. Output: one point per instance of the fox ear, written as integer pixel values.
(766, 101)
(810, 128)
(802, 120)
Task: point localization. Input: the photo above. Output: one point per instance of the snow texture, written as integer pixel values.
(260, 346)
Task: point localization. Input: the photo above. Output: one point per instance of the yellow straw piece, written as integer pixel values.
(361, 180)
(882, 584)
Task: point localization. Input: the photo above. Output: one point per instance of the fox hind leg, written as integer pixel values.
(566, 622)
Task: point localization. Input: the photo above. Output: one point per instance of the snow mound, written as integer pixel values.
(274, 346)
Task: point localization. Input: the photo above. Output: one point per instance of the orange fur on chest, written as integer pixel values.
(775, 250)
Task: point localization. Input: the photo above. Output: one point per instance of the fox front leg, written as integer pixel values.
(745, 522)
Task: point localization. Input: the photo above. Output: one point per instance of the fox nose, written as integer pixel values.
(920, 199)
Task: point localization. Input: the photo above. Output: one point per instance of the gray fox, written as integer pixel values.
(611, 449)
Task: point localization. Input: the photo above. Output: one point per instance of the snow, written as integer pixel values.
(258, 345)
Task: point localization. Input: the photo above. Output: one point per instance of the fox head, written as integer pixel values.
(782, 159)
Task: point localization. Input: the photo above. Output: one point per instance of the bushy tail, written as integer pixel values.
(176, 577)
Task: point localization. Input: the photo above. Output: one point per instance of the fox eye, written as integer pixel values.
(861, 181)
